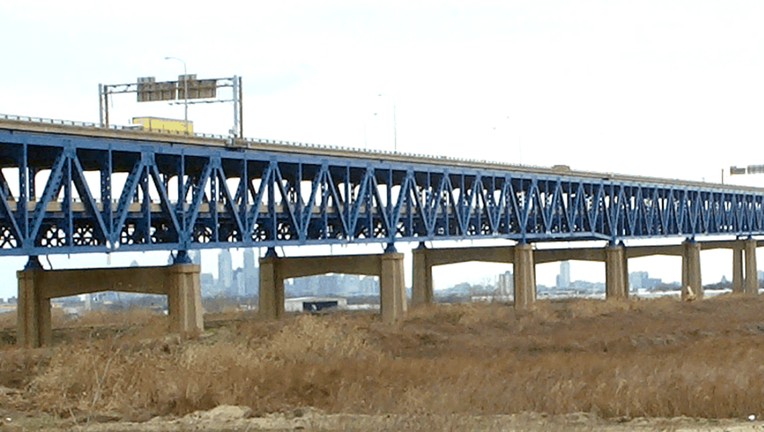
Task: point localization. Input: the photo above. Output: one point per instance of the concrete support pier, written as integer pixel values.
(745, 277)
(179, 282)
(387, 266)
(422, 287)
(524, 277)
(738, 277)
(184, 299)
(33, 327)
(691, 280)
(751, 285)
(616, 273)
(392, 287)
(271, 287)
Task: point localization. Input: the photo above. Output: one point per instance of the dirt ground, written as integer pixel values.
(228, 418)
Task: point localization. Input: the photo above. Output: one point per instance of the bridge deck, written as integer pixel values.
(185, 192)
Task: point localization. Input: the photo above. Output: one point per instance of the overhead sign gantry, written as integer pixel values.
(187, 90)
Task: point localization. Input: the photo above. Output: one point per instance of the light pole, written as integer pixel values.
(185, 90)
(395, 126)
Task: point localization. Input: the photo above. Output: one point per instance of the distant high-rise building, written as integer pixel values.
(369, 285)
(225, 270)
(641, 279)
(239, 284)
(563, 279)
(506, 283)
(329, 284)
(207, 282)
(196, 257)
(251, 275)
(637, 279)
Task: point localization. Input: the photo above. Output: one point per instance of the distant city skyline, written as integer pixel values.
(230, 282)
(624, 87)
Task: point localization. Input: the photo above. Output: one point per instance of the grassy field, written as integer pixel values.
(641, 358)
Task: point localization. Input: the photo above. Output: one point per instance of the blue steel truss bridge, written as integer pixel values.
(68, 187)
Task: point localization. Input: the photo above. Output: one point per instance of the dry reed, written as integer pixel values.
(655, 358)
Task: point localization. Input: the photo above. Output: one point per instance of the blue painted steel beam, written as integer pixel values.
(106, 192)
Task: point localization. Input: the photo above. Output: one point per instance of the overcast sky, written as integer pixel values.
(660, 88)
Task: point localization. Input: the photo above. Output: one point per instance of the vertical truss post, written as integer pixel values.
(325, 201)
(146, 204)
(22, 211)
(299, 204)
(389, 183)
(66, 205)
(214, 203)
(180, 206)
(272, 200)
(351, 204)
(106, 210)
(31, 177)
(243, 197)
(409, 212)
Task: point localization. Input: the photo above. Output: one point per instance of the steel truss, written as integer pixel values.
(68, 193)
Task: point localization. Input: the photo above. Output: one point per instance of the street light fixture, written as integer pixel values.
(395, 126)
(185, 90)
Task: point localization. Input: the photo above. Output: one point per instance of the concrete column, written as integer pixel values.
(626, 272)
(184, 299)
(524, 276)
(421, 290)
(751, 272)
(616, 276)
(737, 267)
(271, 295)
(33, 327)
(392, 287)
(691, 271)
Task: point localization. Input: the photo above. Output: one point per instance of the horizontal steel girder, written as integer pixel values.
(175, 193)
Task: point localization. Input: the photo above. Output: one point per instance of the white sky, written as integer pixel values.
(660, 88)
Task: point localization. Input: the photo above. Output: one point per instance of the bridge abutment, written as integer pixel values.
(179, 282)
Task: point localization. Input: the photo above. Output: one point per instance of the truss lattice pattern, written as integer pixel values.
(70, 193)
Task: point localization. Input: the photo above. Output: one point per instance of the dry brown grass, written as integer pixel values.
(654, 358)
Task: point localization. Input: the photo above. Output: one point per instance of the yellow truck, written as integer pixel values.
(157, 124)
